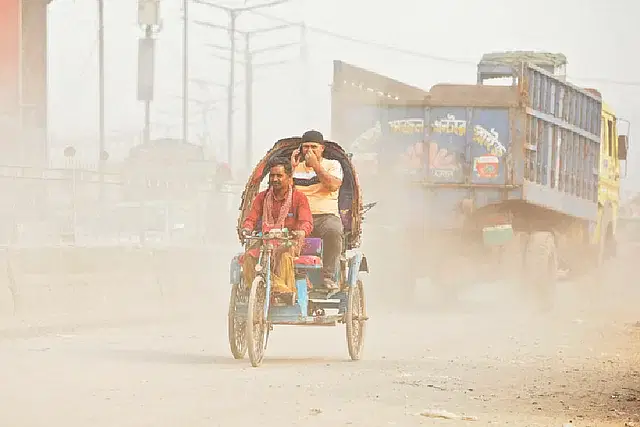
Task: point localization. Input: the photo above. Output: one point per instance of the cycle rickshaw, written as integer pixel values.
(253, 310)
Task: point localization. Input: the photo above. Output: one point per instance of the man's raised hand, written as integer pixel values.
(294, 158)
(312, 160)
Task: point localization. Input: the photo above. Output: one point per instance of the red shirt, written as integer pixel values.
(298, 219)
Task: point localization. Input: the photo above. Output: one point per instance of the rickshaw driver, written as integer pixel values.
(280, 206)
(320, 179)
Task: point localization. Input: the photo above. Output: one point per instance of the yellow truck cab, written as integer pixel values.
(613, 149)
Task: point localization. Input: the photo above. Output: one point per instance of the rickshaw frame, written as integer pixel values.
(310, 304)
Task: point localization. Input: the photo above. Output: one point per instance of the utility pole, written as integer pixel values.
(212, 99)
(305, 68)
(249, 55)
(250, 66)
(248, 93)
(148, 35)
(304, 75)
(185, 73)
(101, 127)
(233, 16)
(207, 106)
(304, 55)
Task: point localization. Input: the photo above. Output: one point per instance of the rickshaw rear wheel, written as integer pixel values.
(355, 320)
(256, 321)
(237, 326)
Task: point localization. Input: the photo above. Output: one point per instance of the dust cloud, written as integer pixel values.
(133, 312)
(114, 298)
(114, 294)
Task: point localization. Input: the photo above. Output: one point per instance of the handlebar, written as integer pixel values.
(284, 233)
(275, 234)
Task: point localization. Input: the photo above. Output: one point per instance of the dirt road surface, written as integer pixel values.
(163, 360)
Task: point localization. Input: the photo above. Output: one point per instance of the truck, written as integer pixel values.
(487, 181)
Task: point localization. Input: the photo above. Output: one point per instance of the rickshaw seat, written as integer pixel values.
(312, 246)
(308, 261)
(311, 253)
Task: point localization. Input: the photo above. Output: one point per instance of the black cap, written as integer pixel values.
(313, 136)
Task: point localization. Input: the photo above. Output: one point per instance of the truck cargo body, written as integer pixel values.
(487, 143)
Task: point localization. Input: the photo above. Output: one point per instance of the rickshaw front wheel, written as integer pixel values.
(355, 320)
(256, 322)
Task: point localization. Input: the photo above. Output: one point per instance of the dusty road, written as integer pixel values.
(165, 362)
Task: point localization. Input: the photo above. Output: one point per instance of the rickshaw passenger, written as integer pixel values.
(280, 206)
(320, 180)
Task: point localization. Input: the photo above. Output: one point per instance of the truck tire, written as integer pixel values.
(541, 267)
(606, 250)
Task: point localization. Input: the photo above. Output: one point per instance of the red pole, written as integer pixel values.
(10, 39)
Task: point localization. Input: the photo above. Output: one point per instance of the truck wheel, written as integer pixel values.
(603, 253)
(541, 267)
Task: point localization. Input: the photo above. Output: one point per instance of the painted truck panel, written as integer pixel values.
(490, 142)
(390, 146)
(447, 144)
(467, 145)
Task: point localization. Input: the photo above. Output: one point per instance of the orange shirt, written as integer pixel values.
(307, 181)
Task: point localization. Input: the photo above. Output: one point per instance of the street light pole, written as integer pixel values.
(101, 108)
(148, 34)
(248, 68)
(231, 89)
(304, 75)
(185, 73)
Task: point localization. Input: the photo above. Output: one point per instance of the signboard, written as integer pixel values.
(146, 69)
(148, 12)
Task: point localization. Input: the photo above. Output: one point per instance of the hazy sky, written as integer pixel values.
(600, 40)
